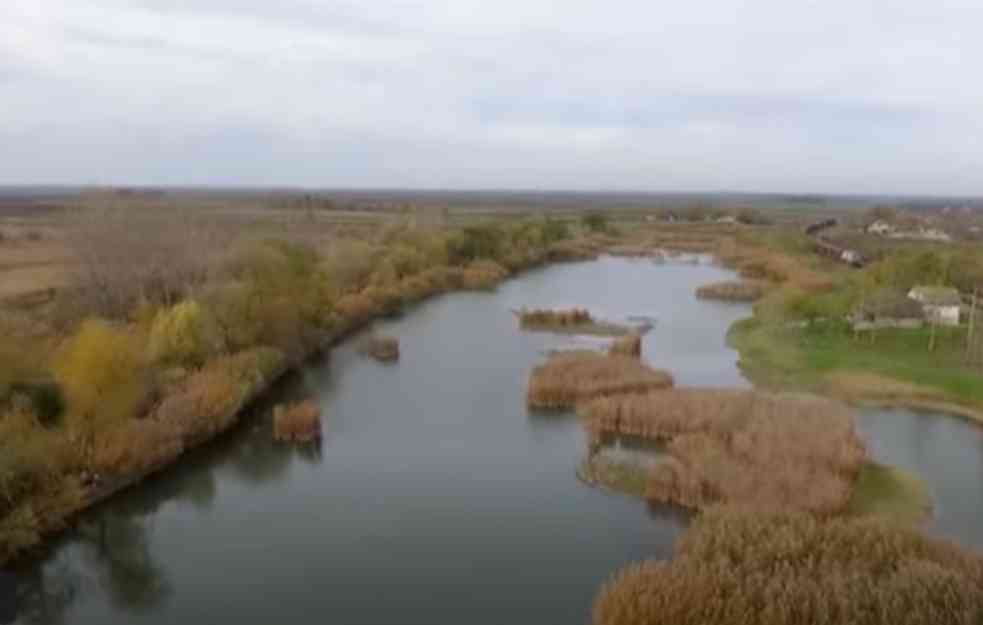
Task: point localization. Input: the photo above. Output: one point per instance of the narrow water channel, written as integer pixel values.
(435, 496)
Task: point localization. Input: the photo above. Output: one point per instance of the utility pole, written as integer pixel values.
(972, 326)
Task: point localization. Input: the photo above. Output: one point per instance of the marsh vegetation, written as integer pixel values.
(569, 378)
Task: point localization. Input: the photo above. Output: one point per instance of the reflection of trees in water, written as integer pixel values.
(118, 550)
(112, 546)
(111, 549)
(43, 595)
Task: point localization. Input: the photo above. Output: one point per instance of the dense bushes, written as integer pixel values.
(790, 569)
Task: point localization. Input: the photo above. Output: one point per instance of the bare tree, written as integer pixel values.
(126, 257)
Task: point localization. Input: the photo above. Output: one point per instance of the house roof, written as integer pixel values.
(937, 295)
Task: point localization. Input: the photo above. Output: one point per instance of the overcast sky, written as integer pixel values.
(842, 96)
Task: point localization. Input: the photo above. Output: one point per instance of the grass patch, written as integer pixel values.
(890, 493)
(823, 356)
(628, 478)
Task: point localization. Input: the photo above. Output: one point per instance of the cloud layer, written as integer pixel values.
(843, 96)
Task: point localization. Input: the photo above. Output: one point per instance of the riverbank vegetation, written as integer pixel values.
(299, 422)
(732, 291)
(568, 321)
(630, 345)
(569, 378)
(740, 447)
(381, 348)
(174, 320)
(789, 568)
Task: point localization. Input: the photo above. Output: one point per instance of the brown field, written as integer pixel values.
(741, 447)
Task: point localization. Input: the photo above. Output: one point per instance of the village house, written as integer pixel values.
(941, 304)
(888, 308)
(880, 227)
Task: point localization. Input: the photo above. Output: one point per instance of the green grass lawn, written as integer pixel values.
(776, 355)
(890, 492)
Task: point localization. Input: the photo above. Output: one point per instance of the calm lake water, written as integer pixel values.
(436, 496)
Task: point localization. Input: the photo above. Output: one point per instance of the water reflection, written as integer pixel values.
(111, 550)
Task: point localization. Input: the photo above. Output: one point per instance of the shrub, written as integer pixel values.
(474, 243)
(208, 402)
(46, 400)
(596, 222)
(350, 264)
(732, 566)
(572, 377)
(101, 371)
(483, 275)
(182, 335)
(382, 348)
(297, 422)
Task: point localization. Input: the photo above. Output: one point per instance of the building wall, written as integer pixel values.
(943, 315)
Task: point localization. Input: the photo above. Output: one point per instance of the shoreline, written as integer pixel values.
(54, 525)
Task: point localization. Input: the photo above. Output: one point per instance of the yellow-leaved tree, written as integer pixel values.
(101, 370)
(182, 335)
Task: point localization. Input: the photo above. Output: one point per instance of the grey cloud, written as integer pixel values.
(837, 96)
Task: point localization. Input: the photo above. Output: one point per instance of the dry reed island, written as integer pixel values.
(146, 327)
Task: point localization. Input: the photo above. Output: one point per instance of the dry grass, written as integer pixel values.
(382, 348)
(732, 291)
(630, 346)
(569, 378)
(300, 422)
(767, 451)
(567, 321)
(792, 569)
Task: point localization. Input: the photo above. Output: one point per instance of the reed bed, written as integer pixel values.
(300, 422)
(732, 291)
(569, 378)
(763, 450)
(790, 568)
(568, 321)
(630, 346)
(381, 348)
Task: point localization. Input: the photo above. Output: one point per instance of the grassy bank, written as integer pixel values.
(889, 493)
(896, 368)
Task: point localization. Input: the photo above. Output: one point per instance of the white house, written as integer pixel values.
(852, 257)
(880, 227)
(941, 304)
